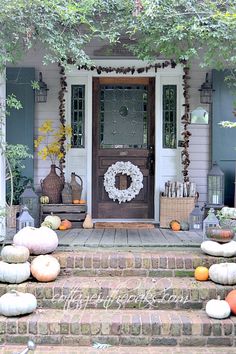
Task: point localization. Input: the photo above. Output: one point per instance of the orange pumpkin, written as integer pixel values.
(175, 225)
(201, 273)
(62, 227)
(66, 223)
(75, 201)
(231, 299)
(82, 201)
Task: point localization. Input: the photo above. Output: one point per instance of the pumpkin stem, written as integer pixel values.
(13, 291)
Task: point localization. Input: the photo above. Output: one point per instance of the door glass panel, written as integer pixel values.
(123, 116)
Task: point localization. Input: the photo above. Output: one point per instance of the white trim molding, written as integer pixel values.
(82, 158)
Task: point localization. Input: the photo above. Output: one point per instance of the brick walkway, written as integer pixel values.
(120, 350)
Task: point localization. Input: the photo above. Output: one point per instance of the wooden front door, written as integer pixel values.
(123, 130)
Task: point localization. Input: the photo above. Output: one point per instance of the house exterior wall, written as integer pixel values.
(200, 140)
(168, 161)
(2, 157)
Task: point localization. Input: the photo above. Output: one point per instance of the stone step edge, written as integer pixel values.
(86, 322)
(119, 284)
(43, 349)
(106, 261)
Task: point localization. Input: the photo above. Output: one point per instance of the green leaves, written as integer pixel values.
(171, 28)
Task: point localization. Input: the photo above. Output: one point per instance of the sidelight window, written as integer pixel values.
(169, 116)
(77, 115)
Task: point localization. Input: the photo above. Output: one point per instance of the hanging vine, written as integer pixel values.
(61, 97)
(186, 121)
(127, 70)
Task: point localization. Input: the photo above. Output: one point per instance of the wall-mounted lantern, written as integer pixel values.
(215, 187)
(42, 91)
(206, 91)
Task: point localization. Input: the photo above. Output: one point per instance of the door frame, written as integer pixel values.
(115, 154)
(166, 76)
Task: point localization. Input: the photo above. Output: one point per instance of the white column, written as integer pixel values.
(2, 156)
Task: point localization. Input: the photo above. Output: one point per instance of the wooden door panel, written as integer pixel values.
(131, 211)
(103, 157)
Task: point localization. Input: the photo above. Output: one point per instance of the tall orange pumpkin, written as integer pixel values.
(231, 299)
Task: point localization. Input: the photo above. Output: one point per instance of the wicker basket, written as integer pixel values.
(175, 209)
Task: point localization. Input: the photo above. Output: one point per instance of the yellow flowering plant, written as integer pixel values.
(50, 141)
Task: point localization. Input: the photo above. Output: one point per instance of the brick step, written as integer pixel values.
(119, 292)
(119, 327)
(41, 349)
(170, 263)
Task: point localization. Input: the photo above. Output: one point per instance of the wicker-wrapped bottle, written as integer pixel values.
(52, 185)
(76, 187)
(66, 194)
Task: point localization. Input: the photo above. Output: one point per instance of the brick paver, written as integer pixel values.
(118, 327)
(140, 299)
(119, 350)
(137, 263)
(121, 292)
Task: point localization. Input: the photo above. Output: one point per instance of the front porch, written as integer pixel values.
(112, 238)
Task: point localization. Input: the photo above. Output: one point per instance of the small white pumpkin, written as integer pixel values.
(16, 303)
(223, 273)
(15, 254)
(54, 220)
(45, 268)
(39, 241)
(214, 248)
(217, 308)
(14, 273)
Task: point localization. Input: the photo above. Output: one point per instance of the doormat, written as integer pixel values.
(123, 225)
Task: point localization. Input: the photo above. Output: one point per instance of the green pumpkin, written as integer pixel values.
(184, 226)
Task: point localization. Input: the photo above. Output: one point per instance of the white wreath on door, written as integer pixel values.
(125, 168)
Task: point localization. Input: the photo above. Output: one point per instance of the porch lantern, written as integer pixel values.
(215, 187)
(30, 199)
(24, 219)
(42, 91)
(195, 219)
(210, 221)
(206, 91)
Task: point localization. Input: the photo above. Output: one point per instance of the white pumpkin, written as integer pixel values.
(16, 303)
(15, 254)
(228, 212)
(54, 220)
(38, 240)
(14, 273)
(45, 268)
(223, 273)
(218, 309)
(219, 250)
